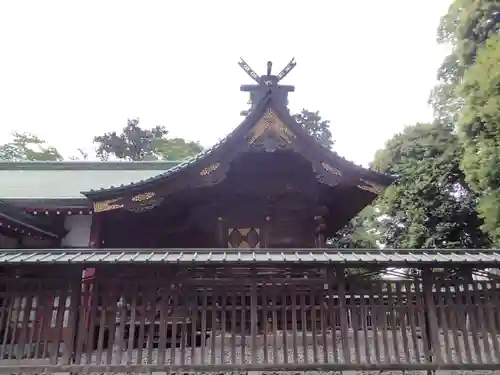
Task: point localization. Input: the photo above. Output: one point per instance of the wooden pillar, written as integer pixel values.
(253, 320)
(221, 232)
(431, 324)
(89, 274)
(70, 334)
(320, 239)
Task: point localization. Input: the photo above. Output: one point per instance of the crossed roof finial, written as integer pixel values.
(287, 69)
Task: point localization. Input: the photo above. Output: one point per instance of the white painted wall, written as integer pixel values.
(78, 227)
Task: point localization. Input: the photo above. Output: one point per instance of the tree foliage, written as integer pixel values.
(479, 128)
(467, 98)
(28, 147)
(315, 126)
(430, 205)
(465, 27)
(136, 144)
(359, 233)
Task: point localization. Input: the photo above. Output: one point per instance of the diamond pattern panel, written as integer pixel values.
(243, 238)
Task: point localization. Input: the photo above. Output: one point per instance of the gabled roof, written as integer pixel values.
(209, 167)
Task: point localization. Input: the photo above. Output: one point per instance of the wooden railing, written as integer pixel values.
(163, 319)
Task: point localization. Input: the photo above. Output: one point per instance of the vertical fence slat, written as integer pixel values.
(402, 315)
(422, 321)
(194, 326)
(364, 323)
(213, 324)
(343, 311)
(284, 322)
(294, 327)
(313, 304)
(173, 325)
(324, 325)
(489, 300)
(234, 304)
(430, 307)
(203, 327)
(273, 292)
(303, 324)
(453, 314)
(442, 308)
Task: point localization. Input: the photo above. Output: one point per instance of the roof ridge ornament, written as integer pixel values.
(268, 83)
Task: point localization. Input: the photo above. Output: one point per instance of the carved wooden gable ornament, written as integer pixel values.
(270, 133)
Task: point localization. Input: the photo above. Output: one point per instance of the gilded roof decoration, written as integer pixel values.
(210, 169)
(327, 167)
(144, 196)
(270, 123)
(371, 187)
(107, 205)
(146, 205)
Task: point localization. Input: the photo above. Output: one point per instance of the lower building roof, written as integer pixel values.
(14, 218)
(357, 258)
(66, 180)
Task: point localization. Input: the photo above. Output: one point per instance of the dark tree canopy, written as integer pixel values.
(28, 147)
(430, 205)
(314, 124)
(468, 98)
(136, 144)
(359, 233)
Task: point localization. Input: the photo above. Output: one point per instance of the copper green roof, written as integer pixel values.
(66, 180)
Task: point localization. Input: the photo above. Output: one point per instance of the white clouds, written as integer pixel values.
(69, 71)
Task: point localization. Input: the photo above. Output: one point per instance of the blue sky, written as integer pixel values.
(71, 70)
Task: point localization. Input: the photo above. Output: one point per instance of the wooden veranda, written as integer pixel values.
(169, 314)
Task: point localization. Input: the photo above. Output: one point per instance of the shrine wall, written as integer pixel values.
(78, 227)
(8, 242)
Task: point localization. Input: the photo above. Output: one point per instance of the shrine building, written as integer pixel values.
(221, 263)
(268, 184)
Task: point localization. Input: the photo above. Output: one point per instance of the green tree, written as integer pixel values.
(467, 97)
(175, 148)
(28, 147)
(136, 144)
(314, 124)
(359, 233)
(465, 27)
(430, 205)
(479, 129)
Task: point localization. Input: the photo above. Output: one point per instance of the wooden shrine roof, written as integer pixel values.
(210, 166)
(14, 219)
(359, 258)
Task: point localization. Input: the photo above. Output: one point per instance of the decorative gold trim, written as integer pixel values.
(146, 205)
(371, 187)
(210, 169)
(270, 123)
(143, 197)
(107, 205)
(330, 169)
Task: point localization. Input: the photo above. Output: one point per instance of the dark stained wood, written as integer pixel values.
(189, 321)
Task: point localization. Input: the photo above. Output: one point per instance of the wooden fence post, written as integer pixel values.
(431, 324)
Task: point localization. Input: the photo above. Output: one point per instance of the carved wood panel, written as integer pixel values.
(243, 238)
